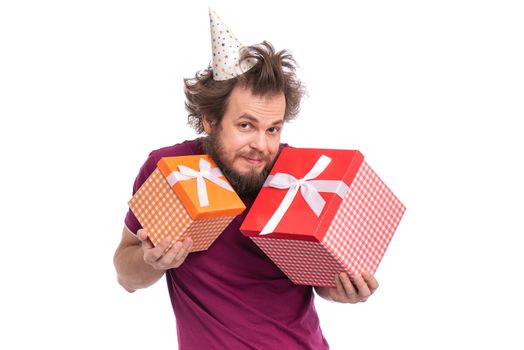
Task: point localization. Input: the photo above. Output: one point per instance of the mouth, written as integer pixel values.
(253, 161)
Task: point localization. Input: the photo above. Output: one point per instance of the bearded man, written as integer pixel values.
(232, 296)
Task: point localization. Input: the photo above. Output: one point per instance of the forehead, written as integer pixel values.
(242, 101)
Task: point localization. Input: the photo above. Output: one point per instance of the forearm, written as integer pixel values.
(132, 271)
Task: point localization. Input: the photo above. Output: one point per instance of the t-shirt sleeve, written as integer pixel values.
(147, 169)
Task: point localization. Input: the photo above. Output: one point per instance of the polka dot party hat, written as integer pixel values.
(226, 51)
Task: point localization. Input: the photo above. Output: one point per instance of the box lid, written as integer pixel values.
(201, 186)
(300, 220)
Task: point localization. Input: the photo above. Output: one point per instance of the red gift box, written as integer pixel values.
(322, 212)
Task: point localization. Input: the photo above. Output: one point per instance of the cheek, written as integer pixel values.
(273, 148)
(236, 142)
(235, 150)
(230, 145)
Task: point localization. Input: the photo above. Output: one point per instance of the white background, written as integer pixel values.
(430, 92)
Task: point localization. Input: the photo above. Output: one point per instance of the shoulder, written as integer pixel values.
(284, 145)
(185, 148)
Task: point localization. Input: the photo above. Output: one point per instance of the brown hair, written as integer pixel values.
(273, 72)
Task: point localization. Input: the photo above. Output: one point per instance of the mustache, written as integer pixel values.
(253, 154)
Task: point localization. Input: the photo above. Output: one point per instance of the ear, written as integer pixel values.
(208, 126)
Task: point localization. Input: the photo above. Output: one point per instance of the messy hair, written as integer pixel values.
(273, 73)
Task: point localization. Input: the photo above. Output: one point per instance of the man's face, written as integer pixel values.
(246, 142)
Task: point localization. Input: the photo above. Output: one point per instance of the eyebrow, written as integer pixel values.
(255, 120)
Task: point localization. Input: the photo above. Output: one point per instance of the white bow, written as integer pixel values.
(309, 188)
(212, 174)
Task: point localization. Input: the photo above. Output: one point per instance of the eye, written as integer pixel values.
(244, 126)
(273, 130)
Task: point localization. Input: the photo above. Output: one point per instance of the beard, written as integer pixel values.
(249, 182)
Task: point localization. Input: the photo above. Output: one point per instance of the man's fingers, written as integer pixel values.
(142, 236)
(176, 254)
(164, 245)
(355, 289)
(153, 254)
(169, 256)
(349, 289)
(371, 281)
(184, 251)
(362, 287)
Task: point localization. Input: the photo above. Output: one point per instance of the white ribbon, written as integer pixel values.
(206, 172)
(309, 188)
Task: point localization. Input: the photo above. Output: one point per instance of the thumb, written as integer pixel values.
(143, 237)
(142, 234)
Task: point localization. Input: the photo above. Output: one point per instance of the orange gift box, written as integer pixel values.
(186, 196)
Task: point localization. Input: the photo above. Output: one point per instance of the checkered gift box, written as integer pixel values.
(325, 214)
(186, 196)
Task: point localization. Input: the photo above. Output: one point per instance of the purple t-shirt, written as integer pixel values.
(232, 296)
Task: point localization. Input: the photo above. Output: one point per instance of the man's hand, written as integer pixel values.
(162, 258)
(350, 292)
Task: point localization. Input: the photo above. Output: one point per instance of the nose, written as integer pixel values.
(259, 142)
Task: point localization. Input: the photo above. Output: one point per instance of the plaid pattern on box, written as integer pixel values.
(355, 241)
(302, 261)
(203, 232)
(162, 214)
(365, 222)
